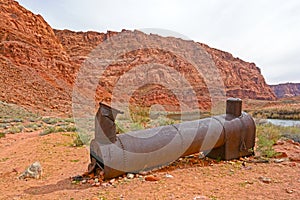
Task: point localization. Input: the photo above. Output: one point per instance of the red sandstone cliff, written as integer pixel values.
(242, 79)
(34, 66)
(286, 90)
(39, 65)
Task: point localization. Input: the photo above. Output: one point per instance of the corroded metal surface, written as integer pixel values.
(227, 136)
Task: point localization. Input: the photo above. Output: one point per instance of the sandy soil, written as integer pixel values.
(191, 180)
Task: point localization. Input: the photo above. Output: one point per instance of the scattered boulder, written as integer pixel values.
(289, 191)
(130, 176)
(265, 179)
(151, 178)
(201, 198)
(169, 176)
(33, 171)
(112, 181)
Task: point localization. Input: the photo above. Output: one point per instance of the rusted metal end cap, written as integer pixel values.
(234, 107)
(107, 107)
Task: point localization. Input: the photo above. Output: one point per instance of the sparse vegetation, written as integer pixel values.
(141, 118)
(127, 125)
(277, 113)
(81, 139)
(56, 129)
(269, 134)
(19, 120)
(288, 108)
(14, 119)
(49, 120)
(14, 129)
(12, 112)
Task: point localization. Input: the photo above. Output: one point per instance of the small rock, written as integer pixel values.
(201, 155)
(244, 164)
(105, 184)
(249, 182)
(289, 191)
(152, 178)
(112, 181)
(291, 141)
(265, 179)
(101, 173)
(282, 155)
(169, 176)
(247, 167)
(130, 176)
(33, 171)
(96, 180)
(201, 198)
(231, 162)
(279, 160)
(84, 181)
(91, 181)
(295, 158)
(279, 142)
(77, 178)
(97, 184)
(143, 173)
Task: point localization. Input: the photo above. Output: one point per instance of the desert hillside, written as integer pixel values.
(286, 90)
(34, 65)
(39, 66)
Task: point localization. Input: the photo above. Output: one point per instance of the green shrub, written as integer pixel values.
(15, 129)
(139, 114)
(81, 139)
(291, 133)
(32, 126)
(277, 113)
(69, 120)
(48, 131)
(268, 135)
(49, 120)
(56, 129)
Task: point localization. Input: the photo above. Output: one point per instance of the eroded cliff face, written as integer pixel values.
(39, 66)
(34, 66)
(242, 79)
(286, 90)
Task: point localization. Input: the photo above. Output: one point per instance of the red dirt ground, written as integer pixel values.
(60, 161)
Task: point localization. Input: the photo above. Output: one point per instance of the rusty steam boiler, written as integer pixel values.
(226, 137)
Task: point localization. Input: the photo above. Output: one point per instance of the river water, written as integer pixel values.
(283, 122)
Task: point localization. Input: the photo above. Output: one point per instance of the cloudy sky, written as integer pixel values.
(266, 32)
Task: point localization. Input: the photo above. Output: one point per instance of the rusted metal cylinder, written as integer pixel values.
(105, 127)
(225, 136)
(234, 106)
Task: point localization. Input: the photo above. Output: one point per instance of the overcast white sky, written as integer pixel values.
(266, 32)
